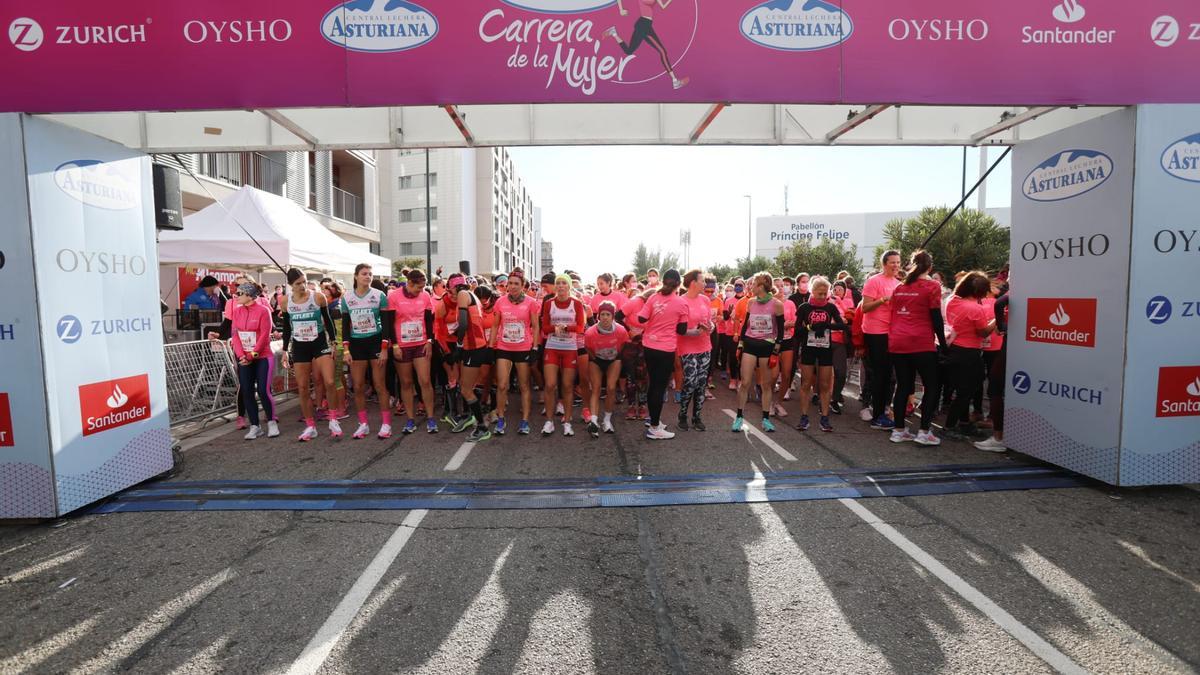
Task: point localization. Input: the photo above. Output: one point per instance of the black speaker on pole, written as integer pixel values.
(168, 200)
(464, 266)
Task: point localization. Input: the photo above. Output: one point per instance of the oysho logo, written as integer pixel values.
(1062, 321)
(26, 34)
(1069, 11)
(6, 429)
(1067, 174)
(1023, 384)
(103, 185)
(101, 262)
(939, 30)
(797, 25)
(560, 6)
(1178, 392)
(1158, 310)
(1181, 159)
(238, 30)
(114, 403)
(1082, 246)
(379, 25)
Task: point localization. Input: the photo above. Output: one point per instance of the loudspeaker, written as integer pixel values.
(464, 266)
(168, 200)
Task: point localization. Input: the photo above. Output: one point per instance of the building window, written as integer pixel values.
(418, 248)
(417, 181)
(417, 215)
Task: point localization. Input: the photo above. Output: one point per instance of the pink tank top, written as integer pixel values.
(760, 317)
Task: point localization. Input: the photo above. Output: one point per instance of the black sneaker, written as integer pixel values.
(683, 423)
(697, 424)
(835, 408)
(479, 433)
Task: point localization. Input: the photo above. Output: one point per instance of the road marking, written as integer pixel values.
(756, 490)
(1141, 554)
(31, 658)
(1034, 642)
(332, 631)
(763, 437)
(43, 566)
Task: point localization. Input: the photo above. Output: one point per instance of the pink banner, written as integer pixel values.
(75, 56)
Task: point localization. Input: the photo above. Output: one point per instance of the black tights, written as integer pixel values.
(643, 30)
(907, 367)
(880, 363)
(659, 365)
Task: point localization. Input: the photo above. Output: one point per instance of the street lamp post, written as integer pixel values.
(749, 228)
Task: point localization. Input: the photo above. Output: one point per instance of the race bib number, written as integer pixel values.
(760, 323)
(412, 331)
(362, 320)
(607, 354)
(249, 339)
(818, 341)
(304, 331)
(514, 333)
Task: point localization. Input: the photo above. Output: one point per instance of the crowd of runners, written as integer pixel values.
(454, 350)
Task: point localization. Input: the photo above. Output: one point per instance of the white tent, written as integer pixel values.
(220, 234)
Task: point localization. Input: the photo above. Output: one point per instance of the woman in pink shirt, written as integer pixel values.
(413, 351)
(917, 331)
(844, 301)
(604, 341)
(252, 327)
(876, 322)
(759, 343)
(787, 351)
(663, 319)
(969, 324)
(643, 31)
(695, 350)
(518, 329)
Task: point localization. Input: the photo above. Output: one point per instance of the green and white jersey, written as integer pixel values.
(366, 318)
(305, 318)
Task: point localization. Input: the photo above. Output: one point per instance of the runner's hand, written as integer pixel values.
(624, 12)
(287, 362)
(213, 336)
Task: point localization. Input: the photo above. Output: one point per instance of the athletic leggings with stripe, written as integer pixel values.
(643, 30)
(695, 382)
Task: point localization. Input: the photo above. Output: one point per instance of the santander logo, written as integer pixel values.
(1178, 392)
(1069, 11)
(114, 403)
(1060, 317)
(1193, 389)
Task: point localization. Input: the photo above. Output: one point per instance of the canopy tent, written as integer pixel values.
(220, 234)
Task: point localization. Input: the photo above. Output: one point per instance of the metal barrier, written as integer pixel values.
(201, 380)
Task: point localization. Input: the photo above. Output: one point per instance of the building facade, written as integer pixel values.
(546, 258)
(337, 187)
(479, 210)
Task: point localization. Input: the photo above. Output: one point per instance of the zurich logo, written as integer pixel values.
(104, 185)
(379, 25)
(1022, 382)
(69, 329)
(1158, 310)
(560, 6)
(1181, 159)
(1067, 174)
(797, 25)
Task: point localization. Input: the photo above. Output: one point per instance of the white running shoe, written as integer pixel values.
(309, 434)
(865, 415)
(611, 32)
(901, 436)
(548, 428)
(385, 431)
(927, 438)
(608, 427)
(363, 431)
(253, 433)
(335, 429)
(272, 429)
(659, 433)
(777, 410)
(558, 410)
(567, 430)
(991, 445)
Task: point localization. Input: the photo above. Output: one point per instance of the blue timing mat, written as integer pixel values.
(578, 493)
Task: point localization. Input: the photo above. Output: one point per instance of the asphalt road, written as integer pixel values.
(1097, 579)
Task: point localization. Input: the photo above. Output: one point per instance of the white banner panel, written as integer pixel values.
(1160, 440)
(26, 473)
(774, 233)
(91, 207)
(1072, 200)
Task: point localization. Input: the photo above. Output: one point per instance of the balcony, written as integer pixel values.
(244, 168)
(348, 206)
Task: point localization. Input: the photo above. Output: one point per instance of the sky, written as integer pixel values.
(599, 202)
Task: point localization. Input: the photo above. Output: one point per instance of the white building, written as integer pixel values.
(479, 209)
(774, 233)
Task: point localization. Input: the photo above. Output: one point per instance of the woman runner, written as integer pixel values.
(916, 334)
(413, 351)
(518, 329)
(760, 338)
(643, 31)
(605, 341)
(252, 327)
(366, 340)
(695, 350)
(307, 326)
(474, 356)
(563, 317)
(663, 318)
(816, 319)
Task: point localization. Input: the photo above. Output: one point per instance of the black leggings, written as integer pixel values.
(659, 365)
(907, 367)
(965, 368)
(879, 360)
(729, 347)
(643, 30)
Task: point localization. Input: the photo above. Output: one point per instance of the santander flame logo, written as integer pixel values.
(1060, 317)
(1193, 389)
(1069, 11)
(117, 399)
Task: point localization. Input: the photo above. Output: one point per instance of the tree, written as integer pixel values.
(410, 263)
(826, 259)
(644, 259)
(748, 267)
(723, 273)
(972, 240)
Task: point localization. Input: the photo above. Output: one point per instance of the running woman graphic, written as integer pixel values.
(643, 31)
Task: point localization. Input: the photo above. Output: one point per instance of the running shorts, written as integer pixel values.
(409, 354)
(515, 357)
(366, 349)
(307, 352)
(563, 358)
(758, 348)
(816, 356)
(476, 358)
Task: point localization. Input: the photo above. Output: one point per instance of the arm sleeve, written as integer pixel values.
(287, 330)
(742, 332)
(428, 324)
(346, 326)
(389, 324)
(779, 328)
(681, 328)
(939, 326)
(464, 322)
(644, 315)
(226, 329)
(619, 317)
(327, 319)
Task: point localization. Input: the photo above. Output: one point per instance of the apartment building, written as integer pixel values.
(478, 209)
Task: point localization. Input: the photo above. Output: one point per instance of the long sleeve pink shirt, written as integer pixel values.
(252, 328)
